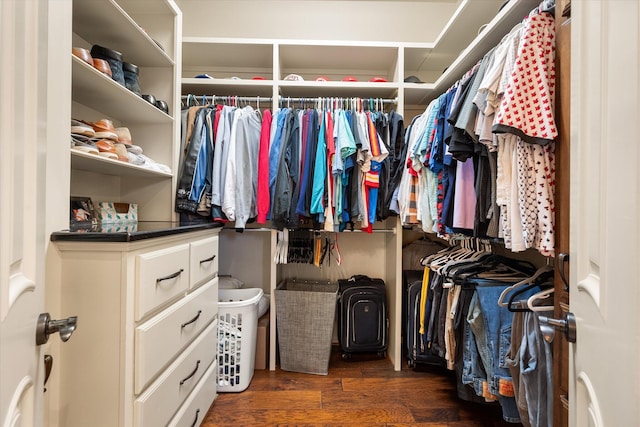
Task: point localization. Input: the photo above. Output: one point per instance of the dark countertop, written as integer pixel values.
(129, 233)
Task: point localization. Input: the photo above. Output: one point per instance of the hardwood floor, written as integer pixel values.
(364, 391)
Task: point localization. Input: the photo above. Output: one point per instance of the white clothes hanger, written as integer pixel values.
(529, 280)
(542, 295)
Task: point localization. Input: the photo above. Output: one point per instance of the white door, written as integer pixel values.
(23, 56)
(605, 213)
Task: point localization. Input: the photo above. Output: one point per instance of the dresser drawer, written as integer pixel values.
(160, 276)
(158, 404)
(160, 338)
(197, 405)
(204, 260)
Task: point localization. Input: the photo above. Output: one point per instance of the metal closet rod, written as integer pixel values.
(311, 99)
(212, 98)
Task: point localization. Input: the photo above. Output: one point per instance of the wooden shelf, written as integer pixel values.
(92, 163)
(90, 87)
(106, 24)
(227, 87)
(338, 89)
(512, 13)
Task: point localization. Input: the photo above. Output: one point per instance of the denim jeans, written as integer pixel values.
(536, 365)
(513, 362)
(473, 370)
(481, 364)
(497, 325)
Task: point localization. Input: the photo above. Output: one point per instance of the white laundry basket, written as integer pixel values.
(237, 329)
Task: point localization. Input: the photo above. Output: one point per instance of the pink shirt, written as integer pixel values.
(264, 201)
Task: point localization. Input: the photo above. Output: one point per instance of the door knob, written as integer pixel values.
(567, 326)
(46, 326)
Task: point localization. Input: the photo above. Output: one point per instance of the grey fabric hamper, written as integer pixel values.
(305, 313)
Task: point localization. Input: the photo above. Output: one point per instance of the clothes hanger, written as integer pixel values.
(542, 272)
(335, 248)
(522, 305)
(540, 296)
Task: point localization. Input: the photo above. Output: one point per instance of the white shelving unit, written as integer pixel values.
(378, 254)
(148, 355)
(156, 51)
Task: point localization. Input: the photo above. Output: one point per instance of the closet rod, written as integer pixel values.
(212, 98)
(311, 99)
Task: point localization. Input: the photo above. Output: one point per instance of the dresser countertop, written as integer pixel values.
(130, 232)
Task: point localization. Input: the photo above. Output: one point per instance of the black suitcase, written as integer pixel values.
(417, 347)
(362, 316)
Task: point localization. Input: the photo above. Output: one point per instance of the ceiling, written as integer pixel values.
(448, 25)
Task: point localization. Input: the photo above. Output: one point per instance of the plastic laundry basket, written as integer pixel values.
(237, 329)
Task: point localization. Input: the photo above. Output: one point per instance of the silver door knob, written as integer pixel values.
(567, 326)
(46, 326)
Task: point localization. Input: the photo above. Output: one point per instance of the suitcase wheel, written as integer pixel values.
(346, 356)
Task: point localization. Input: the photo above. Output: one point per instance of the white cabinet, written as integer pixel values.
(148, 35)
(127, 367)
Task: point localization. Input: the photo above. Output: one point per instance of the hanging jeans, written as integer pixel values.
(497, 325)
(536, 377)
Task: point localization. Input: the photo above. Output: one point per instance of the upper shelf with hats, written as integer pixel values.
(412, 72)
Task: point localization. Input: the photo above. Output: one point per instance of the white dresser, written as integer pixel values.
(144, 352)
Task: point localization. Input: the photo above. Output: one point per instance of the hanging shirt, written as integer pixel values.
(229, 190)
(320, 170)
(306, 191)
(221, 151)
(247, 155)
(527, 105)
(263, 200)
(331, 151)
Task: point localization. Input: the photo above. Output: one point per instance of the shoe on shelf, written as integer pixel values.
(121, 152)
(124, 136)
(104, 129)
(80, 128)
(135, 159)
(102, 66)
(84, 145)
(135, 149)
(106, 148)
(83, 54)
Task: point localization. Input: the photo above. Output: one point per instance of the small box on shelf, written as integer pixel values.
(111, 213)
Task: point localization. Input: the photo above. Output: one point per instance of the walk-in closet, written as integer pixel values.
(437, 176)
(319, 212)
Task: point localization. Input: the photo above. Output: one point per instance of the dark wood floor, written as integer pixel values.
(364, 391)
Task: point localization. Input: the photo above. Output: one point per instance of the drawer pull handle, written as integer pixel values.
(192, 320)
(208, 259)
(191, 374)
(171, 276)
(196, 420)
